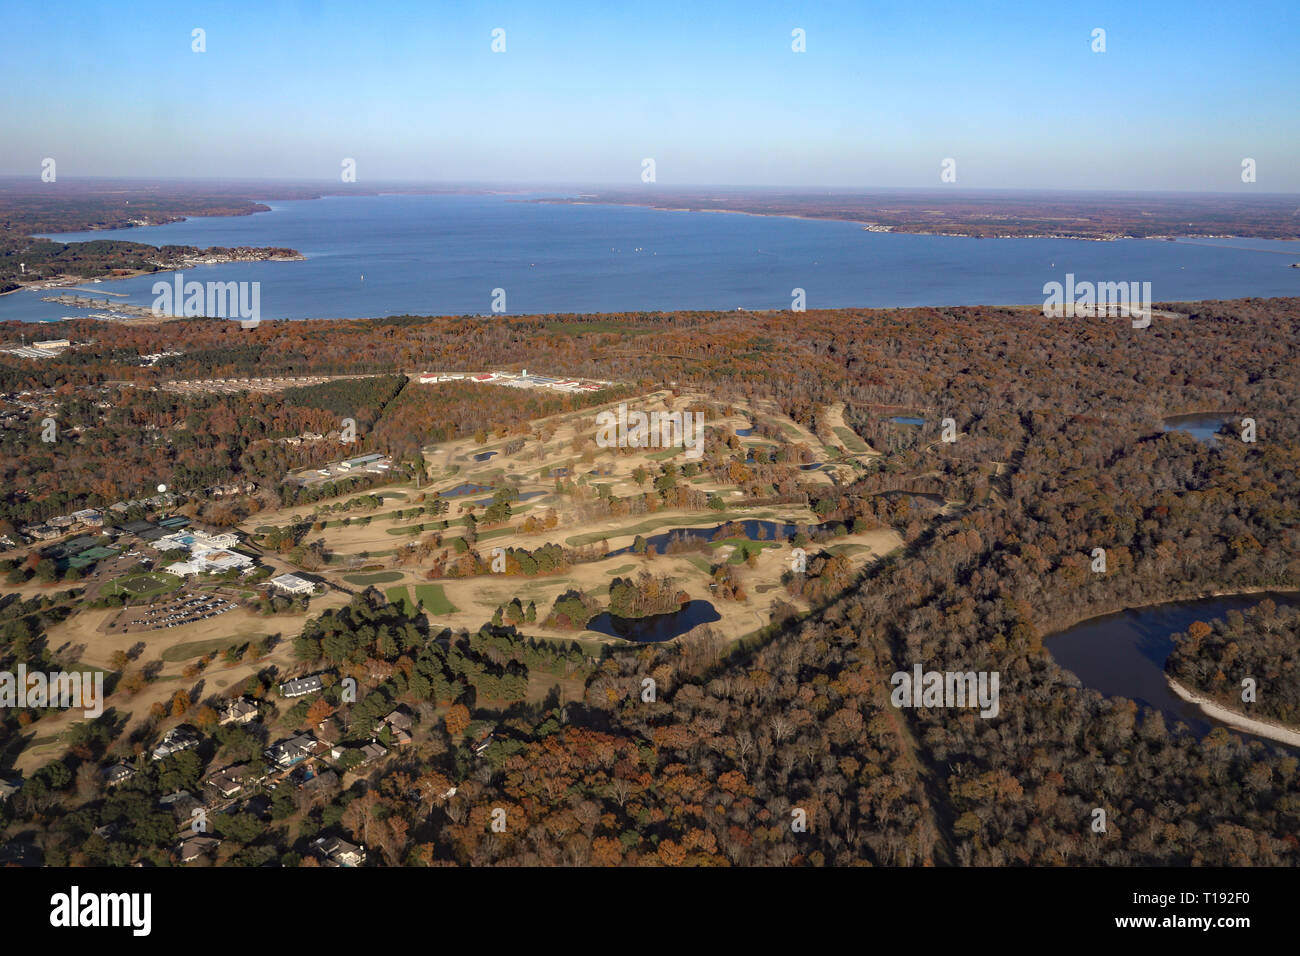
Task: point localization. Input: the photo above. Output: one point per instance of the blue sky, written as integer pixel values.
(712, 91)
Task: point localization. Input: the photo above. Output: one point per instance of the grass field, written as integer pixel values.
(376, 577)
(851, 440)
(666, 453)
(400, 595)
(182, 652)
(149, 584)
(434, 599)
(432, 595)
(366, 554)
(744, 547)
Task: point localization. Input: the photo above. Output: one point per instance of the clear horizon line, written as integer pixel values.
(650, 189)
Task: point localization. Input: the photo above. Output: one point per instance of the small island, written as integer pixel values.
(1242, 670)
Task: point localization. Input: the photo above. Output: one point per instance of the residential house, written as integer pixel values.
(182, 804)
(293, 750)
(301, 686)
(240, 710)
(175, 740)
(118, 774)
(399, 724)
(229, 782)
(195, 847)
(89, 517)
(338, 852)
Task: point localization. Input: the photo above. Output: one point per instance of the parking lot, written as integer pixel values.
(189, 609)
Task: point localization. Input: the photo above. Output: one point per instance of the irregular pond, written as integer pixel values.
(1203, 426)
(657, 627)
(1124, 654)
(467, 488)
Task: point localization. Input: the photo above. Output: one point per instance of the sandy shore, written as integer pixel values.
(1211, 708)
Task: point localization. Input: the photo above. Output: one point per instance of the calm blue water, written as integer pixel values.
(1123, 655)
(657, 627)
(445, 254)
(907, 420)
(1204, 428)
(465, 489)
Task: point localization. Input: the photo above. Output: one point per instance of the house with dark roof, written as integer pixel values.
(399, 724)
(175, 740)
(292, 751)
(240, 710)
(118, 774)
(196, 847)
(338, 852)
(226, 783)
(302, 685)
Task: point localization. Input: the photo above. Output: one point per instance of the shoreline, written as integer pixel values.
(1209, 707)
(1252, 725)
(870, 225)
(1198, 596)
(64, 282)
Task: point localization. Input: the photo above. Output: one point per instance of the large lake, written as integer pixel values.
(444, 255)
(1124, 654)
